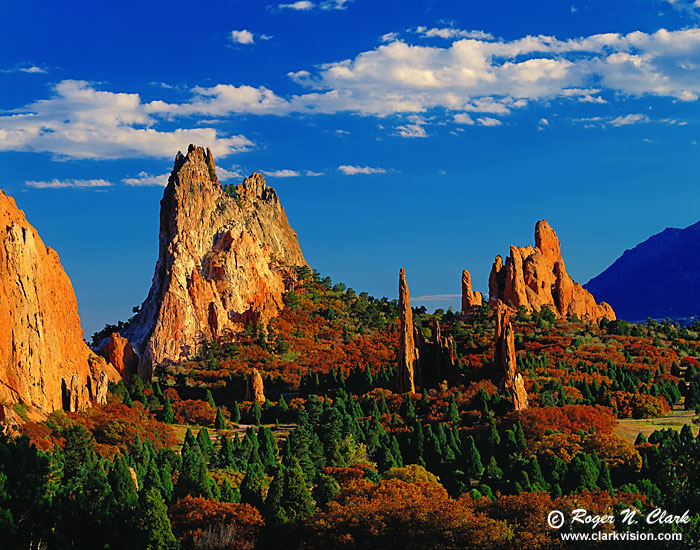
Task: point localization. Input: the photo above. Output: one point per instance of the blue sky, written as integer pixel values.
(420, 134)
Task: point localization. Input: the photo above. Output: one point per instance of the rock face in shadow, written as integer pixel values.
(470, 299)
(506, 360)
(121, 355)
(650, 281)
(224, 260)
(408, 353)
(534, 278)
(44, 361)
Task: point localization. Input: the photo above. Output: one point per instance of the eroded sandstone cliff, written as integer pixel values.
(536, 277)
(44, 361)
(224, 260)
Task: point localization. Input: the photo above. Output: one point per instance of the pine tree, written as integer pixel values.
(452, 414)
(155, 524)
(228, 493)
(603, 480)
(272, 510)
(209, 398)
(122, 483)
(296, 498)
(326, 490)
(168, 414)
(236, 414)
(226, 457)
(205, 444)
(194, 478)
(220, 421)
(267, 447)
(255, 414)
(253, 486)
(407, 410)
(474, 467)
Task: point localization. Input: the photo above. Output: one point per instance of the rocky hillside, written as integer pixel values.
(536, 277)
(44, 362)
(225, 259)
(658, 278)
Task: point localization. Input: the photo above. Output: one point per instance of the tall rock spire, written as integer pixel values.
(506, 358)
(408, 354)
(470, 298)
(225, 260)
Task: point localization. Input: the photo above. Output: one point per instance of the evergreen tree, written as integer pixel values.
(220, 421)
(236, 414)
(407, 410)
(168, 414)
(272, 511)
(226, 457)
(296, 498)
(452, 414)
(253, 486)
(603, 480)
(194, 478)
(326, 489)
(228, 493)
(205, 444)
(155, 524)
(267, 447)
(472, 459)
(255, 414)
(209, 398)
(122, 483)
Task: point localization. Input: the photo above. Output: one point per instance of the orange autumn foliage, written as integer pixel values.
(195, 520)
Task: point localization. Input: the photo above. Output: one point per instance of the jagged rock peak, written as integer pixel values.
(534, 278)
(44, 361)
(225, 259)
(470, 299)
(506, 360)
(408, 353)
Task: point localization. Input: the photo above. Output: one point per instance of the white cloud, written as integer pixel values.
(70, 183)
(543, 122)
(629, 119)
(301, 5)
(463, 118)
(286, 173)
(25, 68)
(242, 37)
(334, 4)
(350, 170)
(79, 121)
(389, 37)
(411, 131)
(145, 179)
(234, 173)
(488, 121)
(453, 33)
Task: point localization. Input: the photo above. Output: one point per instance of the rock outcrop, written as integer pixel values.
(224, 260)
(44, 361)
(443, 359)
(470, 299)
(408, 353)
(121, 355)
(534, 278)
(255, 390)
(512, 380)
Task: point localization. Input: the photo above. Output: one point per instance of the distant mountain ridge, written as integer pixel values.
(658, 278)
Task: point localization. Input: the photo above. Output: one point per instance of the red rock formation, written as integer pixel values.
(470, 299)
(443, 356)
(121, 355)
(223, 261)
(44, 361)
(408, 354)
(534, 278)
(255, 391)
(506, 358)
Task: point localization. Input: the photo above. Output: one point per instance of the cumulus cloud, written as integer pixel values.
(25, 68)
(411, 131)
(488, 121)
(350, 170)
(629, 119)
(242, 37)
(301, 5)
(453, 33)
(286, 173)
(68, 184)
(144, 179)
(82, 122)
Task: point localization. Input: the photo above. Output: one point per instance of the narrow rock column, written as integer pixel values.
(506, 358)
(407, 348)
